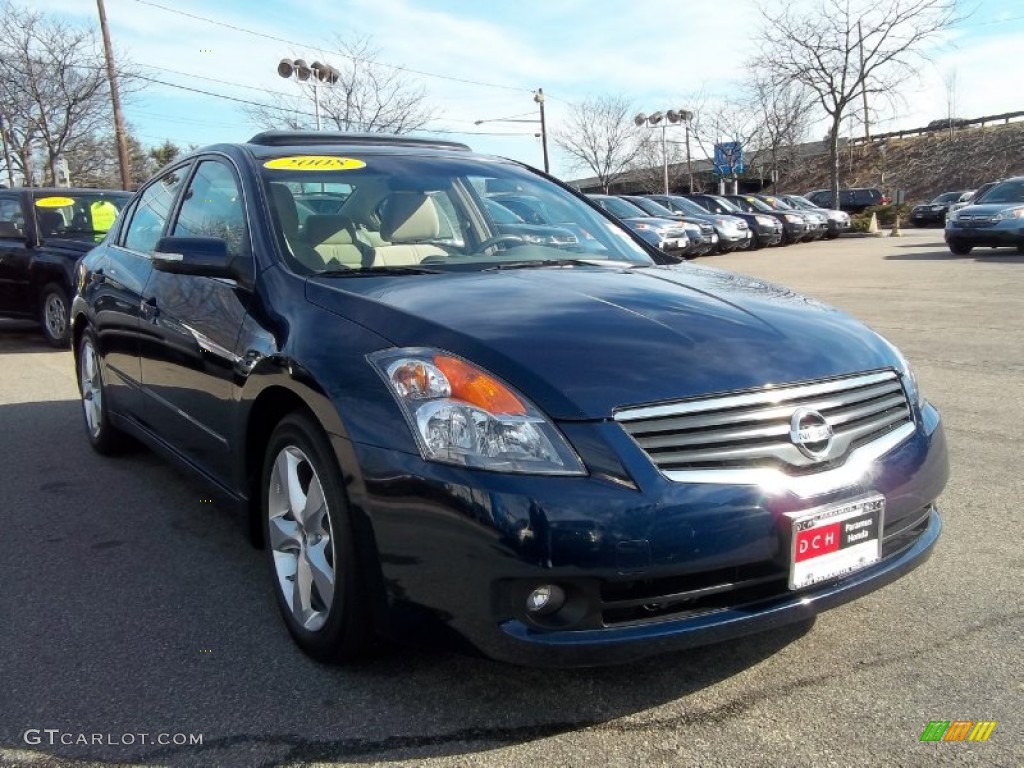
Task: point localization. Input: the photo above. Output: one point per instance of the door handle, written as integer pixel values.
(149, 309)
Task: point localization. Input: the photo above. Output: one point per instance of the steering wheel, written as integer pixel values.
(499, 239)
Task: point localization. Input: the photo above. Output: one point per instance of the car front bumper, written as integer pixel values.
(1009, 232)
(922, 218)
(458, 549)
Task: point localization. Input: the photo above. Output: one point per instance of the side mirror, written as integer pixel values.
(200, 256)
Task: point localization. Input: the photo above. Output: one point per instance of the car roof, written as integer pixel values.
(70, 191)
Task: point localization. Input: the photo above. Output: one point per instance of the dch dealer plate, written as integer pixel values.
(835, 540)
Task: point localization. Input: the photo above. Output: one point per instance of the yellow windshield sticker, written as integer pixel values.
(54, 202)
(314, 163)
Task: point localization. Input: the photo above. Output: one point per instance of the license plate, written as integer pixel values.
(832, 541)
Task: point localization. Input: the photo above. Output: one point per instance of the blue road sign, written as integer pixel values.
(728, 158)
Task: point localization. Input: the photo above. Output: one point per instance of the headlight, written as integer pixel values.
(764, 221)
(1010, 213)
(460, 414)
(914, 393)
(794, 219)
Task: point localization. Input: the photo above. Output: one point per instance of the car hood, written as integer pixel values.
(582, 341)
(988, 209)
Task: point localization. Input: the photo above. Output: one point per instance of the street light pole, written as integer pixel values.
(321, 74)
(673, 116)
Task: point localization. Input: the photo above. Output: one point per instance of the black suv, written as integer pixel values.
(853, 200)
(43, 234)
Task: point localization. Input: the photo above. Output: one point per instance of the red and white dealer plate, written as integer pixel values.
(835, 540)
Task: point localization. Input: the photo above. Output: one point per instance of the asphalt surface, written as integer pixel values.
(130, 602)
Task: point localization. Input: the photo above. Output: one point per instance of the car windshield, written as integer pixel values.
(758, 204)
(1006, 192)
(688, 206)
(721, 205)
(76, 215)
(620, 208)
(423, 214)
(653, 207)
(947, 197)
(801, 202)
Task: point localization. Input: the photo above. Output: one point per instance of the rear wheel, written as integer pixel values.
(958, 248)
(55, 314)
(308, 529)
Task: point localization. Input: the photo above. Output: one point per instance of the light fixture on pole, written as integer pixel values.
(673, 117)
(315, 75)
(538, 97)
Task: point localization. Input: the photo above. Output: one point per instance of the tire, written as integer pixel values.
(958, 248)
(313, 557)
(104, 437)
(55, 315)
(1020, 247)
(756, 244)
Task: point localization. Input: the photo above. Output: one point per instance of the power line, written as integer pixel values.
(294, 43)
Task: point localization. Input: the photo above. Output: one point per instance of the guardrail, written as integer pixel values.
(958, 123)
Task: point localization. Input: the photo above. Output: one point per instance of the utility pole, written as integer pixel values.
(539, 98)
(115, 97)
(863, 90)
(7, 154)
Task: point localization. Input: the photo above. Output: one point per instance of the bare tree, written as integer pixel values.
(92, 161)
(847, 50)
(600, 136)
(368, 96)
(53, 88)
(783, 111)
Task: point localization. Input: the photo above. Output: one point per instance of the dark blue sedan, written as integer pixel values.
(449, 431)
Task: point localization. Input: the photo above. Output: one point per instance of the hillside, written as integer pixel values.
(923, 165)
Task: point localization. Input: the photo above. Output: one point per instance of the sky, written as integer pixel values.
(485, 59)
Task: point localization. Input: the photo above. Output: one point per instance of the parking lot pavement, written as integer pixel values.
(131, 604)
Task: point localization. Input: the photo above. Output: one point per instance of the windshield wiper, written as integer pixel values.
(531, 263)
(395, 269)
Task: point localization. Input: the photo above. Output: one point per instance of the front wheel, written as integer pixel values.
(958, 248)
(55, 311)
(308, 530)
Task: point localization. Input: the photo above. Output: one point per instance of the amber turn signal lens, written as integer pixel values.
(473, 386)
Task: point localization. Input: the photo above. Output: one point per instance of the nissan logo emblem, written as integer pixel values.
(810, 433)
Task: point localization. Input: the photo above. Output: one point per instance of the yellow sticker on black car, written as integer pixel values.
(54, 202)
(314, 163)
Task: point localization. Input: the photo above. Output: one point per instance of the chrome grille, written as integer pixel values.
(753, 429)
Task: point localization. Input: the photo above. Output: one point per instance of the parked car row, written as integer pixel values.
(993, 218)
(728, 222)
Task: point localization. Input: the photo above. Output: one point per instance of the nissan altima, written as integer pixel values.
(552, 451)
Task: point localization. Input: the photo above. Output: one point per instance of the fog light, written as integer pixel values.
(546, 599)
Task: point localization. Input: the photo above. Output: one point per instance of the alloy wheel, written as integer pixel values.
(92, 389)
(55, 315)
(301, 538)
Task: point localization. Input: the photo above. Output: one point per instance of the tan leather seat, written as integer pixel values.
(288, 217)
(333, 237)
(408, 219)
